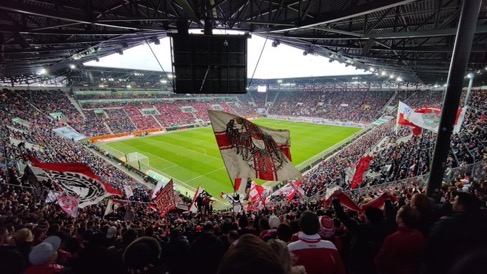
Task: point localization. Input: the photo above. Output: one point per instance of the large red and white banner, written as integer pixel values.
(251, 151)
(76, 179)
(165, 199)
(425, 118)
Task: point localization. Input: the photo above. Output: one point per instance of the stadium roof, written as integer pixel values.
(405, 37)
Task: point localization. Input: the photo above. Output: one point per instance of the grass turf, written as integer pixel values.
(192, 156)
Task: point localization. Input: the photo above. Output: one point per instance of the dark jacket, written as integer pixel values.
(366, 240)
(451, 238)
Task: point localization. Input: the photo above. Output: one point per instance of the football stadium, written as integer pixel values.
(192, 157)
(236, 137)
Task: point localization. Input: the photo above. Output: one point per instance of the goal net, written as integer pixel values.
(137, 160)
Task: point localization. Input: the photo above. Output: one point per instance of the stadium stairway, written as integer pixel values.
(157, 121)
(76, 105)
(384, 108)
(108, 127)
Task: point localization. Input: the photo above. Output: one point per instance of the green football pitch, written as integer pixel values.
(192, 156)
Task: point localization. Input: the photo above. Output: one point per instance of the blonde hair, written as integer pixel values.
(282, 252)
(285, 257)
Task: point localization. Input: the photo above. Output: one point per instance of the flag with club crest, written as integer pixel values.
(251, 151)
(76, 179)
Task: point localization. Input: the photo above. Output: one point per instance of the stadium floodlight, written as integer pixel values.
(384, 73)
(72, 66)
(399, 79)
(371, 69)
(43, 71)
(436, 85)
(279, 81)
(391, 76)
(129, 86)
(470, 75)
(164, 81)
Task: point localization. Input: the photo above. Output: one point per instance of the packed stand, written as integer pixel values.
(405, 233)
(118, 121)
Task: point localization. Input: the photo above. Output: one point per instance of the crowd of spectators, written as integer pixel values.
(352, 106)
(400, 158)
(119, 121)
(411, 234)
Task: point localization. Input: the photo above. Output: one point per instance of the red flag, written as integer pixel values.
(251, 151)
(344, 200)
(69, 204)
(296, 189)
(165, 199)
(77, 179)
(362, 166)
(257, 196)
(379, 202)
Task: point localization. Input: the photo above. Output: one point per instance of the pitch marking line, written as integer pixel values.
(192, 151)
(203, 175)
(173, 164)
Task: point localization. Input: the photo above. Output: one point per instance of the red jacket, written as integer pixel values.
(401, 252)
(316, 255)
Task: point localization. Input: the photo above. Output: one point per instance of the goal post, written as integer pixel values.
(137, 159)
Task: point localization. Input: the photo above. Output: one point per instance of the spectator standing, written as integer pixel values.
(316, 255)
(454, 236)
(401, 251)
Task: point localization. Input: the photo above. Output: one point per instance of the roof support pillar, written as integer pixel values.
(458, 66)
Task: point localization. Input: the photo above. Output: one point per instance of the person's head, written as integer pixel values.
(327, 227)
(263, 224)
(205, 254)
(280, 248)
(250, 255)
(284, 232)
(243, 222)
(274, 221)
(142, 255)
(309, 223)
(373, 215)
(23, 236)
(465, 202)
(232, 236)
(407, 216)
(45, 252)
(421, 203)
(111, 232)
